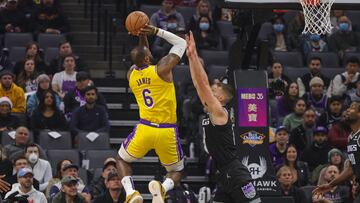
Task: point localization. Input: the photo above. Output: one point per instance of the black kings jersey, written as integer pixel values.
(353, 150)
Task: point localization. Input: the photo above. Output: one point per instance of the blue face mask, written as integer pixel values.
(172, 26)
(279, 27)
(315, 38)
(204, 26)
(344, 26)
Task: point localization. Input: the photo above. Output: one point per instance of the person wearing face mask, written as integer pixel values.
(203, 9)
(278, 39)
(41, 168)
(314, 43)
(344, 39)
(205, 34)
(160, 18)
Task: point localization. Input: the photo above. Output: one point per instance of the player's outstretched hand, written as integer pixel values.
(4, 186)
(191, 46)
(321, 189)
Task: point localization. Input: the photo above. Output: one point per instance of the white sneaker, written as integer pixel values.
(157, 191)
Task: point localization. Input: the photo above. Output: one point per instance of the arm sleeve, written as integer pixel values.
(53, 191)
(47, 177)
(301, 87)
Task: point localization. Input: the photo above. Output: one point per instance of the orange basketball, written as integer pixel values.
(136, 20)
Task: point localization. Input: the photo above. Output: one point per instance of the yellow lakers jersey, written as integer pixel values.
(155, 97)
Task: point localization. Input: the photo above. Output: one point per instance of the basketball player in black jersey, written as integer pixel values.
(234, 184)
(352, 165)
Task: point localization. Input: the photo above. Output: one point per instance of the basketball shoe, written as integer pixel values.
(135, 197)
(157, 191)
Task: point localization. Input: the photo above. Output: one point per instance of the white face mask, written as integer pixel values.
(33, 158)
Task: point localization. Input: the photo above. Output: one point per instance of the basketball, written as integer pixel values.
(136, 20)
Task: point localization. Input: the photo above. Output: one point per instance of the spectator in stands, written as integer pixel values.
(314, 43)
(296, 27)
(27, 77)
(98, 186)
(293, 120)
(76, 97)
(50, 18)
(335, 157)
(285, 178)
(354, 187)
(278, 81)
(6, 166)
(334, 18)
(345, 83)
(19, 163)
(26, 189)
(9, 89)
(206, 34)
(69, 192)
(8, 122)
(159, 18)
(114, 191)
(47, 115)
(203, 9)
(73, 171)
(302, 135)
(333, 113)
(5, 63)
(12, 19)
(65, 81)
(286, 103)
(90, 117)
(42, 168)
(43, 83)
(353, 96)
(314, 71)
(317, 153)
(279, 39)
(339, 133)
(58, 176)
(344, 39)
(339, 193)
(277, 149)
(31, 52)
(299, 170)
(316, 98)
(56, 65)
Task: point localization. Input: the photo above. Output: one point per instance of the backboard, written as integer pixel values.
(287, 4)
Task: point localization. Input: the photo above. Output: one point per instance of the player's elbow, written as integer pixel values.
(179, 48)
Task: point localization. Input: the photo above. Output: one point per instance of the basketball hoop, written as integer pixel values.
(317, 16)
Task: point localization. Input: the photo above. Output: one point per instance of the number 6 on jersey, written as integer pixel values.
(148, 100)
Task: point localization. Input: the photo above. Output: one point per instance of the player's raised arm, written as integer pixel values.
(201, 83)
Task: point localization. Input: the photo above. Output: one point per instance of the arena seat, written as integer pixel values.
(216, 72)
(215, 57)
(101, 142)
(49, 40)
(354, 17)
(288, 58)
(97, 157)
(329, 59)
(332, 72)
(290, 15)
(48, 142)
(149, 9)
(294, 73)
(17, 39)
(347, 55)
(50, 54)
(16, 54)
(6, 139)
(225, 28)
(187, 12)
(305, 194)
(56, 155)
(228, 41)
(265, 30)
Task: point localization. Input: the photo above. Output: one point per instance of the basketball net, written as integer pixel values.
(317, 16)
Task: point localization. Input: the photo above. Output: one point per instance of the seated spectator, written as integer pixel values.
(317, 153)
(58, 176)
(345, 83)
(345, 39)
(286, 103)
(12, 19)
(31, 52)
(354, 188)
(302, 135)
(335, 157)
(42, 168)
(26, 189)
(279, 39)
(295, 119)
(43, 83)
(277, 149)
(50, 18)
(5, 63)
(6, 166)
(316, 98)
(296, 27)
(19, 163)
(76, 97)
(339, 193)
(56, 65)
(48, 115)
(333, 113)
(314, 71)
(159, 18)
(98, 186)
(69, 192)
(114, 191)
(65, 81)
(9, 89)
(203, 8)
(314, 43)
(339, 133)
(27, 77)
(285, 179)
(73, 171)
(353, 96)
(334, 18)
(21, 140)
(278, 81)
(206, 34)
(90, 117)
(8, 122)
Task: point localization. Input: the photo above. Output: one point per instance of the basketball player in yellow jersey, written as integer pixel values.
(154, 90)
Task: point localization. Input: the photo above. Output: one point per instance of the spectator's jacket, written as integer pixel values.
(339, 88)
(301, 138)
(11, 122)
(338, 136)
(75, 98)
(34, 196)
(107, 198)
(304, 81)
(33, 102)
(81, 188)
(277, 158)
(316, 154)
(17, 96)
(51, 17)
(159, 19)
(292, 121)
(60, 198)
(343, 41)
(5, 63)
(14, 17)
(43, 173)
(98, 188)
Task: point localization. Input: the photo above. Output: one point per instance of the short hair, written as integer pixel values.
(19, 158)
(70, 55)
(82, 75)
(31, 145)
(315, 58)
(138, 54)
(62, 43)
(228, 90)
(281, 170)
(90, 87)
(353, 59)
